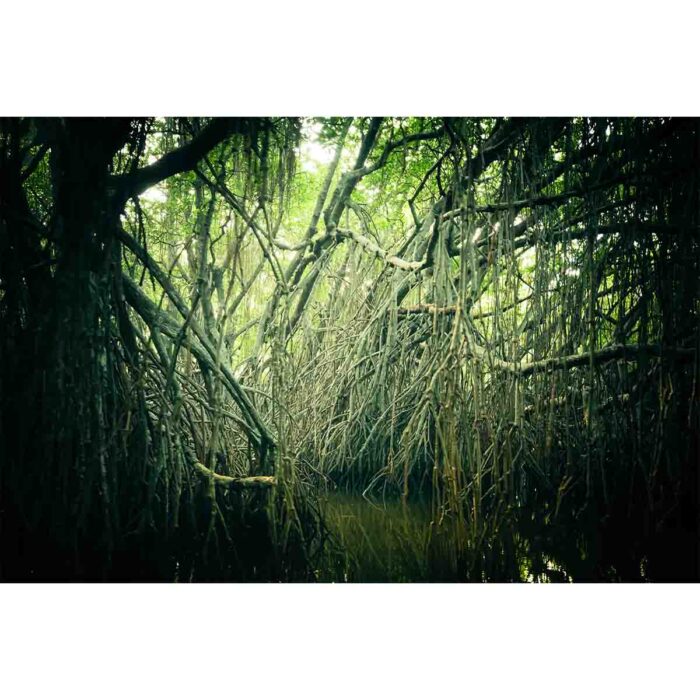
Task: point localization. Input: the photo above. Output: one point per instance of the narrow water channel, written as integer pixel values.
(390, 541)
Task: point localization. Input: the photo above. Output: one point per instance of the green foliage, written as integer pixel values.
(498, 317)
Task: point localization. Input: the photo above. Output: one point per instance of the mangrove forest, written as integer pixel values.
(349, 349)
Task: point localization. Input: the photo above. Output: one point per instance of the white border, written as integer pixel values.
(343, 641)
(367, 57)
(308, 57)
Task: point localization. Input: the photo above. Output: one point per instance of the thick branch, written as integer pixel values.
(372, 247)
(612, 352)
(181, 159)
(238, 483)
(202, 350)
(391, 146)
(607, 354)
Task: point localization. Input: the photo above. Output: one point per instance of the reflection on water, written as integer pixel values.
(378, 541)
(392, 541)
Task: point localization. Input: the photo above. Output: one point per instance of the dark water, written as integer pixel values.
(393, 541)
(378, 541)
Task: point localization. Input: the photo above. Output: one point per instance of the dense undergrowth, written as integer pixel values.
(484, 332)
